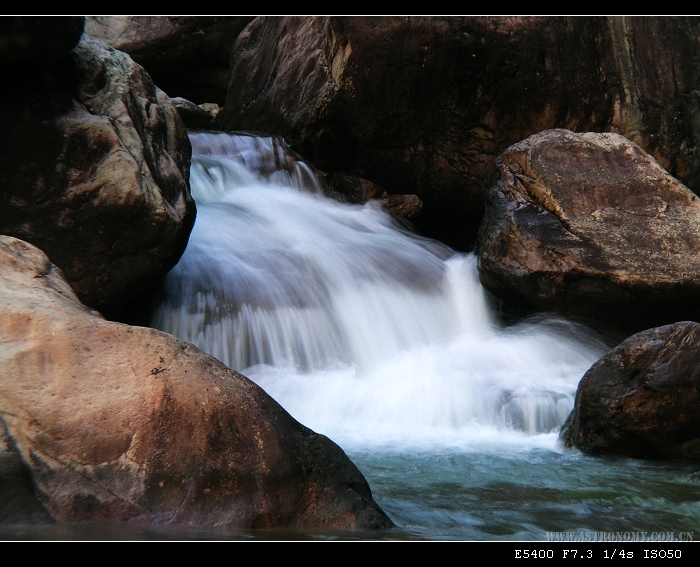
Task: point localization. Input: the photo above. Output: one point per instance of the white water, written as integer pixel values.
(362, 331)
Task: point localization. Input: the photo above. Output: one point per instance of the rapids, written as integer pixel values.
(363, 331)
(387, 343)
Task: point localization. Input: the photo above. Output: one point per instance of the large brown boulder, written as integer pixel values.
(131, 424)
(589, 225)
(642, 399)
(423, 105)
(95, 171)
(186, 56)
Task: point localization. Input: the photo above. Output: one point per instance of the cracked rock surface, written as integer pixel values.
(130, 424)
(589, 225)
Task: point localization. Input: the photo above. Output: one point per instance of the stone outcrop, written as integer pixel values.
(424, 105)
(186, 56)
(95, 172)
(131, 424)
(405, 206)
(589, 225)
(194, 116)
(349, 188)
(642, 399)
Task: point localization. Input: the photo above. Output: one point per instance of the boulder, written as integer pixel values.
(187, 56)
(348, 188)
(130, 424)
(423, 105)
(95, 172)
(642, 399)
(194, 116)
(591, 226)
(404, 206)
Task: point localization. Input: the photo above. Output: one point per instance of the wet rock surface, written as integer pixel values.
(589, 225)
(130, 424)
(349, 188)
(642, 399)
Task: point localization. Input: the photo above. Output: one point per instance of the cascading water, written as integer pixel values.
(361, 330)
(385, 342)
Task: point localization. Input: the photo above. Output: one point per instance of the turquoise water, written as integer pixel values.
(523, 495)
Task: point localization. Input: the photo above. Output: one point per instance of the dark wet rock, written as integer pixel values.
(349, 188)
(194, 116)
(406, 206)
(352, 189)
(642, 399)
(186, 56)
(423, 105)
(95, 172)
(130, 424)
(589, 225)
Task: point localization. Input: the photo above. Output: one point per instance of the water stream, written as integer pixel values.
(386, 342)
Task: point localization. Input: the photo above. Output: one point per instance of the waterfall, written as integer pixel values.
(363, 331)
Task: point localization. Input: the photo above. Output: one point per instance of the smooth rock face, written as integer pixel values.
(423, 105)
(642, 399)
(186, 56)
(131, 424)
(95, 172)
(589, 225)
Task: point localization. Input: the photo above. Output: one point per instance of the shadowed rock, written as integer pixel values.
(348, 188)
(589, 225)
(31, 43)
(187, 56)
(194, 116)
(19, 501)
(95, 171)
(131, 424)
(642, 399)
(423, 105)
